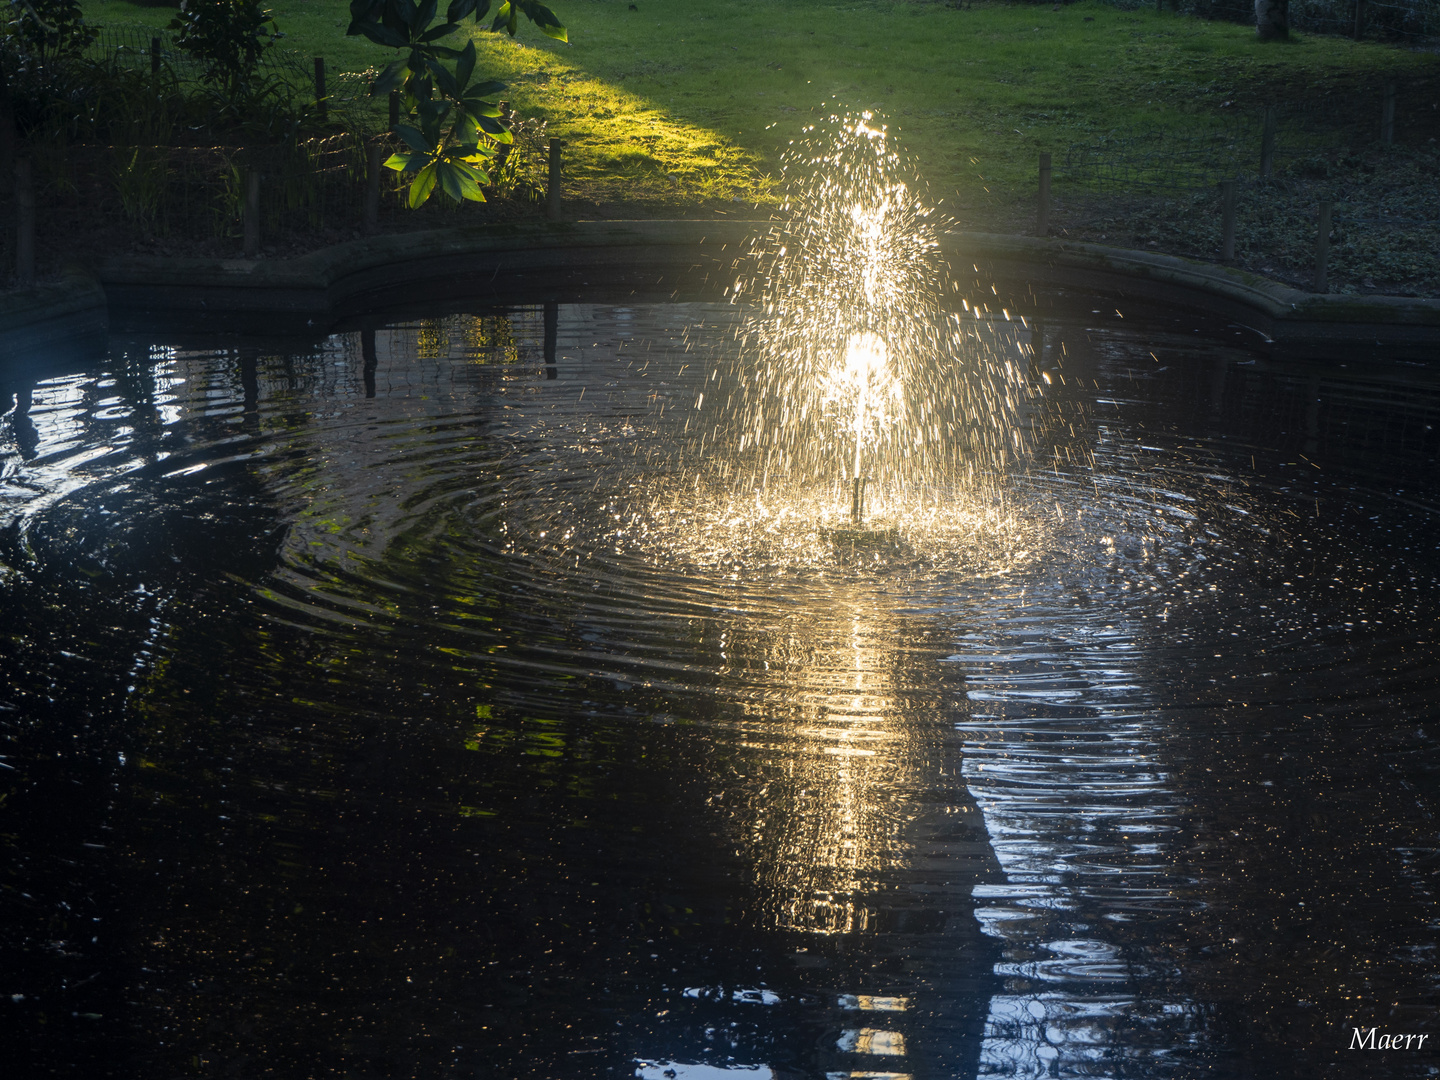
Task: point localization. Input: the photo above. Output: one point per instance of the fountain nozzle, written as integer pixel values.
(857, 500)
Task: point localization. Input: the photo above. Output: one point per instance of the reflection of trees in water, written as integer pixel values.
(100, 549)
(1084, 819)
(1286, 704)
(318, 871)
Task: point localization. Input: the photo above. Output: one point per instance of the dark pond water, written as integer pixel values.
(395, 707)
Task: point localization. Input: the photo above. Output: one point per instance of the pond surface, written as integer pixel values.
(398, 705)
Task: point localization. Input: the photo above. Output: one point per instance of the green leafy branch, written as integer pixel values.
(452, 125)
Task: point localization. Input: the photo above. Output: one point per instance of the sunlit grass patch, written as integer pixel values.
(695, 100)
(619, 144)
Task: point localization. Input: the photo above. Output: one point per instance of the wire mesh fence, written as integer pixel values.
(154, 182)
(197, 192)
(1412, 20)
(315, 185)
(1301, 136)
(346, 94)
(1371, 154)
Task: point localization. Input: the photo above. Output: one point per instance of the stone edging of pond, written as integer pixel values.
(1302, 322)
(310, 293)
(57, 315)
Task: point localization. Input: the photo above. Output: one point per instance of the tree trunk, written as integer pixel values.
(1272, 19)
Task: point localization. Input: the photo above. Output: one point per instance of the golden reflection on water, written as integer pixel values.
(835, 683)
(830, 822)
(839, 710)
(806, 527)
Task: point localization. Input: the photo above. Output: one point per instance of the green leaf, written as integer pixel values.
(495, 129)
(465, 182)
(487, 89)
(365, 10)
(545, 19)
(396, 18)
(465, 65)
(445, 80)
(382, 35)
(414, 139)
(459, 9)
(502, 18)
(432, 115)
(482, 108)
(470, 181)
(422, 187)
(466, 130)
(450, 180)
(406, 11)
(405, 162)
(389, 79)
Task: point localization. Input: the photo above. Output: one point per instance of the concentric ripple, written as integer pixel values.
(407, 701)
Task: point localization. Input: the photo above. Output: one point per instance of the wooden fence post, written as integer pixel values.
(367, 354)
(321, 98)
(373, 166)
(502, 153)
(8, 144)
(1227, 221)
(252, 213)
(1042, 198)
(24, 223)
(552, 197)
(1322, 247)
(552, 337)
(155, 59)
(1387, 115)
(1359, 19)
(1267, 145)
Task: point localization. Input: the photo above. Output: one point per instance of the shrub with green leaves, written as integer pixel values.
(229, 37)
(46, 29)
(452, 125)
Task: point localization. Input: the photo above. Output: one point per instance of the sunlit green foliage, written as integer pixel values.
(452, 126)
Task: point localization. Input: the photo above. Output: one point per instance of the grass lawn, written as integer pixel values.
(694, 100)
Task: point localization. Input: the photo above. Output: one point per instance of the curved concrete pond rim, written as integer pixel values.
(347, 279)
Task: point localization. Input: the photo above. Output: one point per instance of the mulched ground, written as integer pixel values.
(1385, 236)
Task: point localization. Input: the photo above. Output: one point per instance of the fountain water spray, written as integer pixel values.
(861, 369)
(865, 364)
